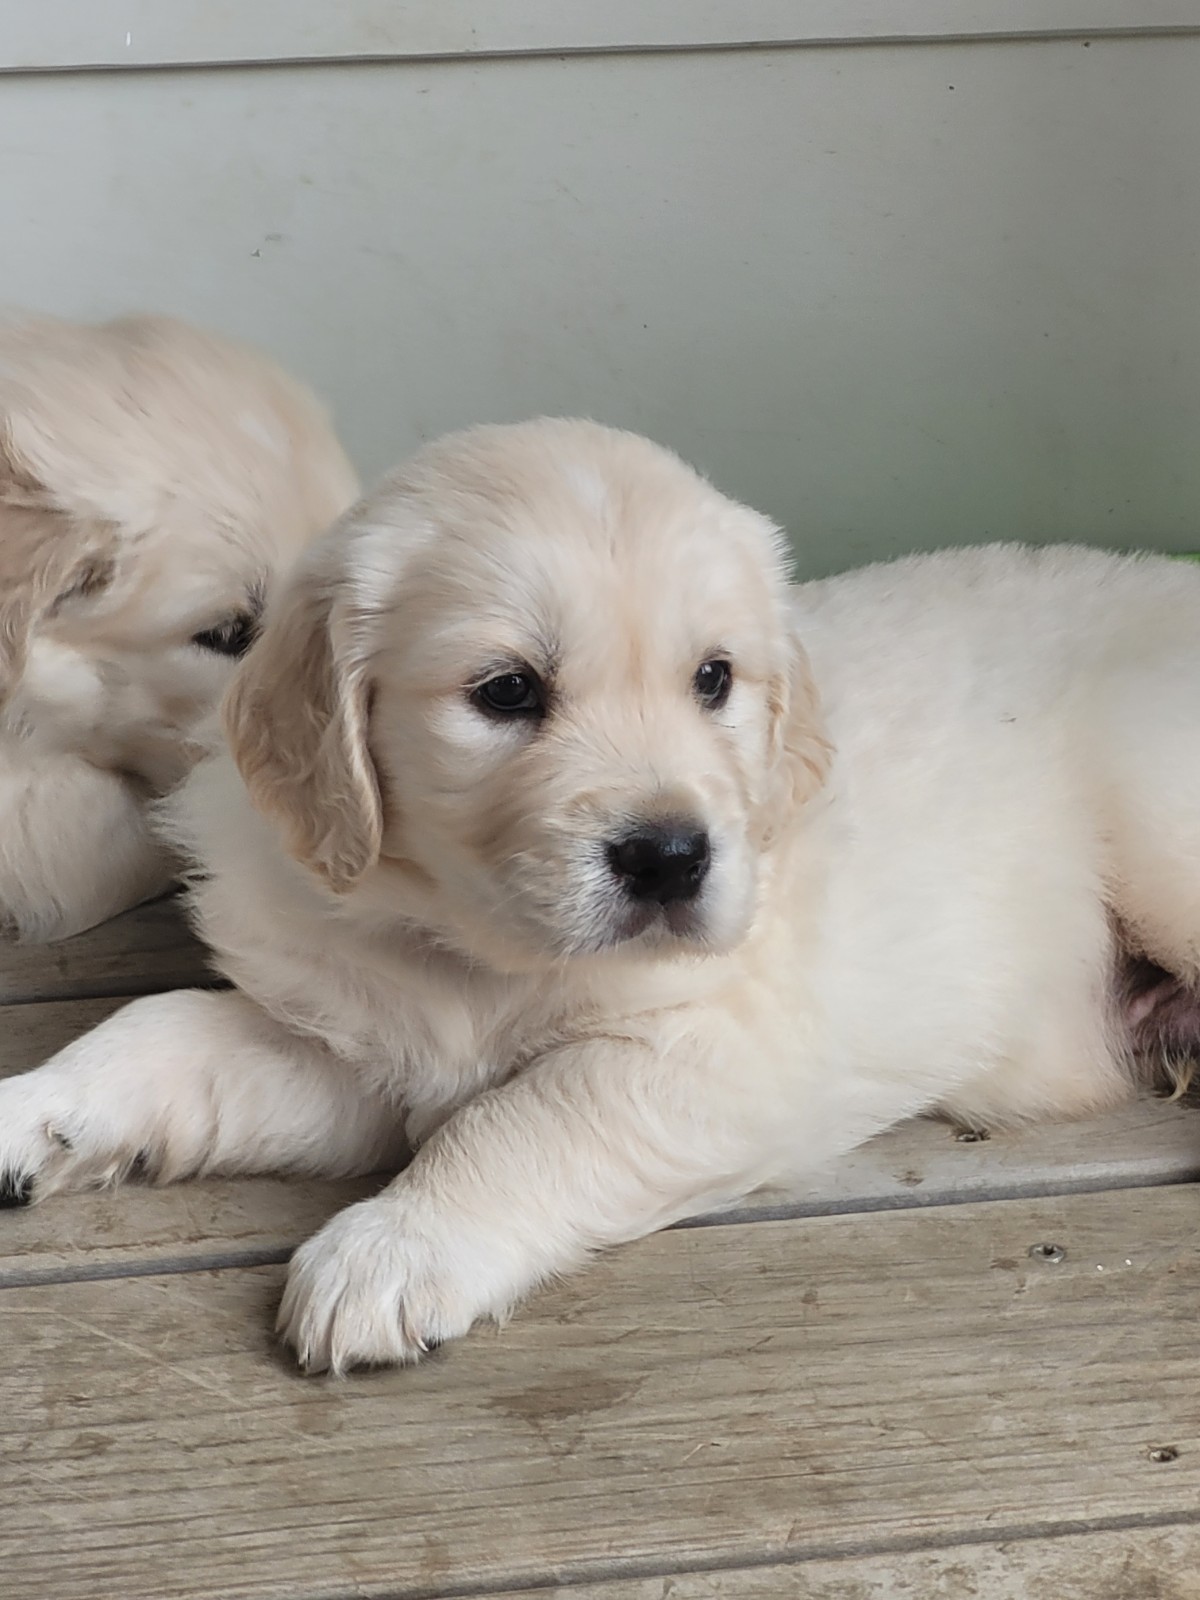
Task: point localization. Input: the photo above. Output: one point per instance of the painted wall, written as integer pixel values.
(897, 294)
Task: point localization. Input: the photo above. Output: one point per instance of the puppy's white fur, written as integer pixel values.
(153, 479)
(935, 790)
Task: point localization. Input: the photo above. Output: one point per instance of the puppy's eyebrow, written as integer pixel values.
(551, 661)
(549, 649)
(543, 655)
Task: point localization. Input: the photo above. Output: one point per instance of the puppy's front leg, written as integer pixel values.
(597, 1144)
(181, 1084)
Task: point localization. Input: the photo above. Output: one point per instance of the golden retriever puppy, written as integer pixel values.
(152, 480)
(559, 837)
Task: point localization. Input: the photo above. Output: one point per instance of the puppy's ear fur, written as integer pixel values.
(47, 560)
(800, 752)
(296, 717)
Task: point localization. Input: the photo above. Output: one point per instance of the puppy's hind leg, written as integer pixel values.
(184, 1084)
(1161, 1018)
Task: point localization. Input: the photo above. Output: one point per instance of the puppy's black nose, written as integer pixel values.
(665, 862)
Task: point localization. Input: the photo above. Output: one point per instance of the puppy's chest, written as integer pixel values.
(429, 1033)
(439, 1038)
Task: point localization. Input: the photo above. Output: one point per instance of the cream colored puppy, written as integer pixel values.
(153, 479)
(560, 836)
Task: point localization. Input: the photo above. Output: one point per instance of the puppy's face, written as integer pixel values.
(153, 481)
(573, 712)
(576, 692)
(141, 644)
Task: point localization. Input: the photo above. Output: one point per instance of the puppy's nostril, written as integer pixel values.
(666, 862)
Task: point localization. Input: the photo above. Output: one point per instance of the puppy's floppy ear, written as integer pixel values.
(48, 560)
(296, 717)
(800, 752)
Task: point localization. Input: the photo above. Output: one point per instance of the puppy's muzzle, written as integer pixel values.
(663, 863)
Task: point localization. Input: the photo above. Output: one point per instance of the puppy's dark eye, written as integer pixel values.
(511, 694)
(230, 638)
(712, 683)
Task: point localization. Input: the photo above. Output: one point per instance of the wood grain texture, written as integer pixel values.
(727, 1396)
(31, 1033)
(141, 952)
(191, 1226)
(1133, 1564)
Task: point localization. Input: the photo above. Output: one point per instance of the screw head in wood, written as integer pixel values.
(1047, 1252)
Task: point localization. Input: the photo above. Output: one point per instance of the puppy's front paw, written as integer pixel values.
(379, 1285)
(38, 1143)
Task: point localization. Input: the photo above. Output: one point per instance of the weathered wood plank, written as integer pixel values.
(141, 952)
(927, 1162)
(31, 1033)
(922, 1163)
(192, 1226)
(1132, 1564)
(727, 1396)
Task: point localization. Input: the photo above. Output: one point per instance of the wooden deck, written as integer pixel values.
(870, 1393)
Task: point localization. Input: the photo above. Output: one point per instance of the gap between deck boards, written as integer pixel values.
(152, 1266)
(611, 1581)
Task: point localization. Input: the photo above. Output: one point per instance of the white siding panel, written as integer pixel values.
(58, 34)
